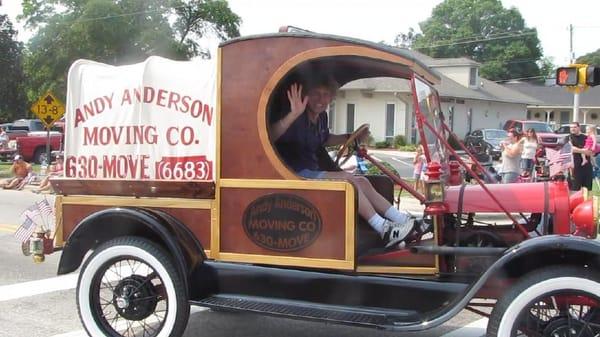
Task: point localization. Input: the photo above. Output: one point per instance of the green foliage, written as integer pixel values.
(592, 58)
(382, 145)
(399, 141)
(484, 31)
(407, 148)
(373, 170)
(12, 91)
(117, 32)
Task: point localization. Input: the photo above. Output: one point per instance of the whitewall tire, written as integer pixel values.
(130, 287)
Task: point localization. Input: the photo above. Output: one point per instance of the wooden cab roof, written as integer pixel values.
(256, 71)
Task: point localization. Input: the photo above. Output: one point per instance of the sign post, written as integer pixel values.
(48, 109)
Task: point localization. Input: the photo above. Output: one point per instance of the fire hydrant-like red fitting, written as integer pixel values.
(585, 218)
(455, 177)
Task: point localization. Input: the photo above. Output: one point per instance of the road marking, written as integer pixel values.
(81, 333)
(8, 228)
(402, 162)
(473, 329)
(26, 289)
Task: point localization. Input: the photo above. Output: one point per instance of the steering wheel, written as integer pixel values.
(352, 139)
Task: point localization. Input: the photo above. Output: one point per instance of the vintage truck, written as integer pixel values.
(29, 138)
(200, 209)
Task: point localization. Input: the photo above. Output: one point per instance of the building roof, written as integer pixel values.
(488, 91)
(555, 96)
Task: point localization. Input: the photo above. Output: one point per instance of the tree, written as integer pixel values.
(116, 32)
(590, 58)
(12, 92)
(484, 31)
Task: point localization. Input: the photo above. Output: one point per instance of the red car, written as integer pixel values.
(546, 136)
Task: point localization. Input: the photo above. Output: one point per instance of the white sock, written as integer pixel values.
(396, 216)
(377, 222)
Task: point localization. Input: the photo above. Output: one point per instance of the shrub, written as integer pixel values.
(382, 145)
(399, 140)
(408, 148)
(373, 170)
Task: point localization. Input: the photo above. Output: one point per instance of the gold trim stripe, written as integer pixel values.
(350, 223)
(397, 270)
(215, 220)
(137, 202)
(59, 240)
(317, 184)
(286, 261)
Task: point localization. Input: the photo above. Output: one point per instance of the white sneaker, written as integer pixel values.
(394, 233)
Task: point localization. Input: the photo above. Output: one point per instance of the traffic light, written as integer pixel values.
(592, 77)
(567, 76)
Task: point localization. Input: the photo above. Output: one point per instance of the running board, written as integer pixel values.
(387, 319)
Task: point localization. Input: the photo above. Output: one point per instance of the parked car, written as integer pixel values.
(546, 137)
(486, 139)
(564, 130)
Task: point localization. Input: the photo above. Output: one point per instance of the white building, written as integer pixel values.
(468, 101)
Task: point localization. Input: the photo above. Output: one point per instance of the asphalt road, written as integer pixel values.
(34, 302)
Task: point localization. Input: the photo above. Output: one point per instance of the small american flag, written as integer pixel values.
(559, 160)
(30, 212)
(24, 231)
(44, 207)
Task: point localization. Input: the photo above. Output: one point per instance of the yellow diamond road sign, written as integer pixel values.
(48, 109)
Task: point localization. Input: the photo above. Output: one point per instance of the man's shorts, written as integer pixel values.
(582, 177)
(311, 174)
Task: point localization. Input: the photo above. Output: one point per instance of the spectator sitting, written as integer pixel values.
(21, 170)
(55, 170)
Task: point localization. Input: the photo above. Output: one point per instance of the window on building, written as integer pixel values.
(350, 117)
(473, 77)
(390, 113)
(331, 117)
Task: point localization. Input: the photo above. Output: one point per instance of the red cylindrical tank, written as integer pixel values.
(585, 218)
(552, 197)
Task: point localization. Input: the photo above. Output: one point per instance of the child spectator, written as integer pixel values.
(590, 143)
(419, 166)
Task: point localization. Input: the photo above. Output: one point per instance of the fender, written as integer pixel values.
(524, 258)
(155, 225)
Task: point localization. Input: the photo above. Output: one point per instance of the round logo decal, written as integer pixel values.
(282, 222)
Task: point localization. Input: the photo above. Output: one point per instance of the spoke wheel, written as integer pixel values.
(551, 302)
(130, 288)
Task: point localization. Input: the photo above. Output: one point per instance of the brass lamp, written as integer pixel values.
(434, 189)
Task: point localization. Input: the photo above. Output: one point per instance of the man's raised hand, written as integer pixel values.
(297, 103)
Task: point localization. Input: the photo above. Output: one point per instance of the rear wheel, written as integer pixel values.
(556, 301)
(130, 287)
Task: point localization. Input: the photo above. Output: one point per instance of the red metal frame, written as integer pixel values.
(424, 122)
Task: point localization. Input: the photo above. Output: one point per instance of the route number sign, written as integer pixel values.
(48, 109)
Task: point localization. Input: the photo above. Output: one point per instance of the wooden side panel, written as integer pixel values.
(329, 244)
(197, 220)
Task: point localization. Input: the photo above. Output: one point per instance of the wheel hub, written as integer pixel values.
(565, 327)
(135, 297)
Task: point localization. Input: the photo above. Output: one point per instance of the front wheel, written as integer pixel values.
(130, 287)
(559, 301)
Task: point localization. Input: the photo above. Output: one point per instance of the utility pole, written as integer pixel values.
(576, 93)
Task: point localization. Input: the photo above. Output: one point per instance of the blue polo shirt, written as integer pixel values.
(299, 144)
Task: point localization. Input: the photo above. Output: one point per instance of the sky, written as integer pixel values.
(382, 20)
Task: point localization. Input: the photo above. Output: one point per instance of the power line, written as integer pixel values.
(476, 40)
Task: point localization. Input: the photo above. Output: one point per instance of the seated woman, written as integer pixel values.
(304, 130)
(55, 170)
(21, 170)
